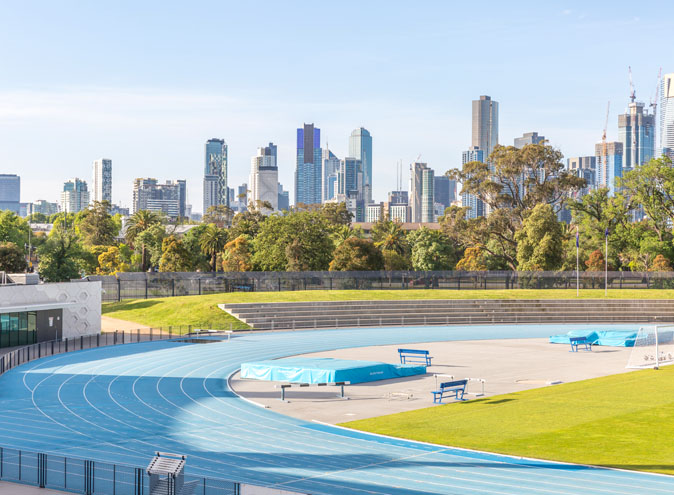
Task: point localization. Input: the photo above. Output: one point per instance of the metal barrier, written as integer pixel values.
(143, 285)
(31, 352)
(93, 477)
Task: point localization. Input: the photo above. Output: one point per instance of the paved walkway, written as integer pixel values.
(18, 489)
(109, 324)
(120, 404)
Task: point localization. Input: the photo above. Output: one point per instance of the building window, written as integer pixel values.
(18, 329)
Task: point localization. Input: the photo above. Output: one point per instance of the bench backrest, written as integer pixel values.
(454, 384)
(412, 351)
(580, 340)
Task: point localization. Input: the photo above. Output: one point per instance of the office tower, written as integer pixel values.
(308, 172)
(10, 192)
(182, 197)
(398, 206)
(264, 176)
(44, 207)
(528, 138)
(360, 147)
(374, 212)
(584, 167)
(475, 205)
(215, 174)
(636, 132)
(667, 115)
(612, 167)
(485, 125)
(283, 199)
(75, 196)
(398, 197)
(350, 187)
(166, 198)
(102, 185)
(330, 173)
(421, 193)
(444, 190)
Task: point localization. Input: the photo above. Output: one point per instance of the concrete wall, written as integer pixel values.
(81, 303)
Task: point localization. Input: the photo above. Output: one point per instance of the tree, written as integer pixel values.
(431, 250)
(60, 256)
(237, 256)
(660, 264)
(388, 235)
(336, 213)
(112, 261)
(200, 261)
(13, 229)
(212, 240)
(138, 223)
(344, 232)
(539, 241)
(38, 218)
(96, 225)
(149, 246)
(12, 258)
(472, 261)
(511, 183)
(247, 223)
(174, 258)
(90, 254)
(595, 263)
(357, 255)
(220, 215)
(298, 241)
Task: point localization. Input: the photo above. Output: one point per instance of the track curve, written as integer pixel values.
(120, 404)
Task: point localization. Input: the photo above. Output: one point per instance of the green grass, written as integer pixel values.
(623, 421)
(203, 310)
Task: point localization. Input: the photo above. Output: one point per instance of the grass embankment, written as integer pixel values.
(203, 311)
(622, 421)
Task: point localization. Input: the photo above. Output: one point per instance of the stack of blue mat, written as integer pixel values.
(613, 338)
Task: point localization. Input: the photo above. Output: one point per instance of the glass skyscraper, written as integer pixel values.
(475, 205)
(636, 131)
(421, 193)
(667, 116)
(612, 167)
(10, 192)
(103, 180)
(309, 168)
(485, 125)
(360, 147)
(215, 174)
(75, 196)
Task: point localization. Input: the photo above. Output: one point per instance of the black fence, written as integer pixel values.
(93, 477)
(140, 285)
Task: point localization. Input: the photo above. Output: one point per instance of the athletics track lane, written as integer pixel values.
(120, 404)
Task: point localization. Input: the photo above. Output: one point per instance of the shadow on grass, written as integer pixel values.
(129, 306)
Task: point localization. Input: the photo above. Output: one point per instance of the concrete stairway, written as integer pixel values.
(344, 314)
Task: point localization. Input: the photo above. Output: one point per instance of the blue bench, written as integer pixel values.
(414, 356)
(454, 389)
(580, 341)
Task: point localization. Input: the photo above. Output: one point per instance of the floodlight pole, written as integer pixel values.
(657, 352)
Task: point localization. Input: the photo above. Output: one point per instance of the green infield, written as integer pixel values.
(622, 421)
(203, 311)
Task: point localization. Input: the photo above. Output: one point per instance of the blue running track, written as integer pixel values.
(120, 404)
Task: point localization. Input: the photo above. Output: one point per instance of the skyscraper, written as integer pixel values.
(308, 171)
(584, 167)
(528, 138)
(444, 190)
(102, 183)
(283, 199)
(330, 173)
(75, 196)
(485, 125)
(612, 167)
(360, 147)
(264, 176)
(636, 132)
(215, 174)
(421, 193)
(475, 205)
(667, 116)
(168, 198)
(10, 192)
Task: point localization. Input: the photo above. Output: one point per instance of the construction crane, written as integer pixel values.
(604, 146)
(633, 93)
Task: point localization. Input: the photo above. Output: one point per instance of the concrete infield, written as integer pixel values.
(508, 365)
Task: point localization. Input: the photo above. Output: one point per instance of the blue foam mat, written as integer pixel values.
(326, 370)
(612, 338)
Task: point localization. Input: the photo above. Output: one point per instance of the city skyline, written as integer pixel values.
(413, 92)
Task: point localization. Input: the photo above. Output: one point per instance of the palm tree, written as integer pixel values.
(344, 232)
(138, 223)
(212, 241)
(393, 239)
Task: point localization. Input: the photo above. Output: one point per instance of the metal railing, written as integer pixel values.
(39, 350)
(94, 477)
(142, 285)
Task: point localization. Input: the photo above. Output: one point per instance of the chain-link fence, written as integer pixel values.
(93, 477)
(141, 285)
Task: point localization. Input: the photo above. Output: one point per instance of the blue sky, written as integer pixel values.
(146, 83)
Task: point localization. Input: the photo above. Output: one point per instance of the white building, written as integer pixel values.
(75, 196)
(263, 180)
(102, 184)
(374, 212)
(667, 116)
